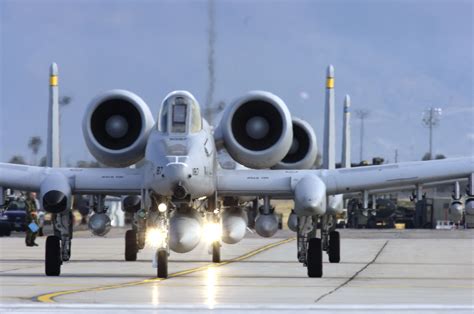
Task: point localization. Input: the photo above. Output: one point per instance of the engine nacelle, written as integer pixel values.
(310, 196)
(303, 150)
(257, 130)
(185, 230)
(234, 225)
(116, 128)
(131, 203)
(55, 193)
(335, 204)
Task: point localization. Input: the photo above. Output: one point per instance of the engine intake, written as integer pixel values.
(303, 150)
(55, 193)
(257, 130)
(116, 128)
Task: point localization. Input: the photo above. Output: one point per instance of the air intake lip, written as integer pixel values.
(54, 201)
(302, 138)
(257, 108)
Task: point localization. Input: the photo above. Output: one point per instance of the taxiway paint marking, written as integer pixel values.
(49, 297)
(355, 275)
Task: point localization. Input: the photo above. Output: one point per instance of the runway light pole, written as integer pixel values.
(431, 119)
(362, 114)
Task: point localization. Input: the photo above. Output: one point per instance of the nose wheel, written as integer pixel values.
(216, 252)
(162, 259)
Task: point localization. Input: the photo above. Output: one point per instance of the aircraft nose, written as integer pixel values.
(177, 172)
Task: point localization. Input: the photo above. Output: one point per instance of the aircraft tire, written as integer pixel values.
(53, 256)
(334, 249)
(131, 248)
(162, 258)
(315, 258)
(216, 252)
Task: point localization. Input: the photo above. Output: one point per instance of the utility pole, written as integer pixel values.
(362, 114)
(431, 119)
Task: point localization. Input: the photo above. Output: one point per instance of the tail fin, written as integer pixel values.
(329, 149)
(346, 135)
(52, 149)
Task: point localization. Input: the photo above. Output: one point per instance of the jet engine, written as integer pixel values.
(303, 150)
(116, 127)
(55, 193)
(234, 225)
(257, 130)
(185, 230)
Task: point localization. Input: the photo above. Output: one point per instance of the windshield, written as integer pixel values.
(179, 118)
(180, 113)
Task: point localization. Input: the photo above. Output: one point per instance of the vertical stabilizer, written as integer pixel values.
(52, 149)
(329, 149)
(346, 134)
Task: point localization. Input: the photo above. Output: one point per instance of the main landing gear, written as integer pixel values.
(310, 247)
(58, 246)
(330, 238)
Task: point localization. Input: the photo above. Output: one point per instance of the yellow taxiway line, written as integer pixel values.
(49, 297)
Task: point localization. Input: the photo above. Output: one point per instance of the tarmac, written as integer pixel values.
(390, 271)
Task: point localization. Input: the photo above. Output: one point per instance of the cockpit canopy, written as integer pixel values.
(180, 113)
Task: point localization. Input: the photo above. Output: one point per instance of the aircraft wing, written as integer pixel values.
(82, 180)
(347, 180)
(411, 187)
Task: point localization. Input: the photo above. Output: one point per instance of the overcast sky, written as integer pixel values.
(395, 58)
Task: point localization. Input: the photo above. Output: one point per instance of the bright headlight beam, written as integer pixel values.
(162, 207)
(155, 238)
(212, 232)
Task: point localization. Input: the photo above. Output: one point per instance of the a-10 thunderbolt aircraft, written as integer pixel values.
(179, 186)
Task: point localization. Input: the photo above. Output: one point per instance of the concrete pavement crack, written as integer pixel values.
(353, 276)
